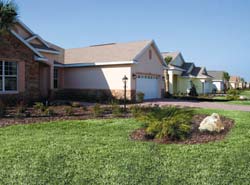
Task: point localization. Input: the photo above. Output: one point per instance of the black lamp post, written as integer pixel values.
(124, 79)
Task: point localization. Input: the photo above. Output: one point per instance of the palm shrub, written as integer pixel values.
(169, 122)
(8, 15)
(233, 94)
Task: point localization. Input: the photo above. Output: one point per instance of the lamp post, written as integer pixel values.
(124, 79)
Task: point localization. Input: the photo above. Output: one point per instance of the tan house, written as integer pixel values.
(34, 68)
(181, 75)
(234, 82)
(99, 69)
(26, 63)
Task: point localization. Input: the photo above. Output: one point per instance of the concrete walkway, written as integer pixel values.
(198, 104)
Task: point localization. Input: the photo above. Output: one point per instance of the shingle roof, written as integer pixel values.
(234, 79)
(217, 75)
(105, 52)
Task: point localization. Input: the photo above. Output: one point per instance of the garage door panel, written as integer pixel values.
(149, 86)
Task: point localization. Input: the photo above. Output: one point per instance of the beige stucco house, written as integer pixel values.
(99, 69)
(33, 68)
(182, 74)
(234, 82)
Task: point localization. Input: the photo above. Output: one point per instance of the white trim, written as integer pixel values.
(32, 33)
(3, 91)
(48, 51)
(26, 43)
(41, 59)
(95, 64)
(31, 38)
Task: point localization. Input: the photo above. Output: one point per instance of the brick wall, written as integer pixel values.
(13, 49)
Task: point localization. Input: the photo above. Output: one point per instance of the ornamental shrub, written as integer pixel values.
(171, 123)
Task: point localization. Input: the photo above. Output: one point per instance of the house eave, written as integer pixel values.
(94, 64)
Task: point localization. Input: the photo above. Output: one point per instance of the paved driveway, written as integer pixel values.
(198, 104)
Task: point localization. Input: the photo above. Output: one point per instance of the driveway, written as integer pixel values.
(198, 104)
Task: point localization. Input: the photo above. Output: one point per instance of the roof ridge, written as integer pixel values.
(109, 44)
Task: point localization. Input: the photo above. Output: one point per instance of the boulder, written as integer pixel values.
(243, 98)
(211, 123)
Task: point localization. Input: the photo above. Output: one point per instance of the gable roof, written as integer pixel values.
(170, 54)
(217, 75)
(112, 52)
(234, 79)
(37, 49)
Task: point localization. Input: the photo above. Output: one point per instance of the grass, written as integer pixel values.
(100, 152)
(236, 102)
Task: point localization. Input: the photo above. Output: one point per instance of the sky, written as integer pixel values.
(210, 33)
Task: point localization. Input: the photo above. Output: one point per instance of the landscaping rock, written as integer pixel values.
(243, 98)
(212, 123)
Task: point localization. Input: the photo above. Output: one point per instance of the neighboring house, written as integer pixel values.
(182, 74)
(99, 69)
(234, 82)
(26, 63)
(218, 81)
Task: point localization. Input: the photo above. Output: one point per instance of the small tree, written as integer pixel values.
(226, 76)
(168, 59)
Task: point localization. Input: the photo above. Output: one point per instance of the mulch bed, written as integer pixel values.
(196, 136)
(60, 115)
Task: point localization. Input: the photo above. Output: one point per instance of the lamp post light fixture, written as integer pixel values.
(125, 79)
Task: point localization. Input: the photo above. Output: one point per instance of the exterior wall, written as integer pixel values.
(218, 85)
(28, 70)
(183, 85)
(21, 31)
(107, 78)
(149, 66)
(199, 86)
(171, 74)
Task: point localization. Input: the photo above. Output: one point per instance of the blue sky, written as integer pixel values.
(211, 33)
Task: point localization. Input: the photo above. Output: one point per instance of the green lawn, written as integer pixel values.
(100, 152)
(236, 102)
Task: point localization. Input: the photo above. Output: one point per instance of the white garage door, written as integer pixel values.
(148, 85)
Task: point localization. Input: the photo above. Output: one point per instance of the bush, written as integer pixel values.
(140, 97)
(169, 122)
(233, 94)
(97, 110)
(116, 109)
(21, 108)
(49, 112)
(193, 91)
(69, 111)
(40, 106)
(2, 109)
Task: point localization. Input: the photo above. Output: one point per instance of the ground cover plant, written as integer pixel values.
(100, 152)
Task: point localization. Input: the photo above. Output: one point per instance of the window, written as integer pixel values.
(8, 76)
(55, 78)
(150, 54)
